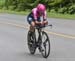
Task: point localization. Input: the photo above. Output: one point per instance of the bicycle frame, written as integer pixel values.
(39, 37)
(39, 29)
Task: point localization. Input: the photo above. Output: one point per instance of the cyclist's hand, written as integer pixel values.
(36, 22)
(44, 23)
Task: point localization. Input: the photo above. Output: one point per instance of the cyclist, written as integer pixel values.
(34, 17)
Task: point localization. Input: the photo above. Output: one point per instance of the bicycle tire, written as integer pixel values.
(32, 47)
(45, 55)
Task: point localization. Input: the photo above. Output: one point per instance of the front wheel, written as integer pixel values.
(45, 45)
(31, 42)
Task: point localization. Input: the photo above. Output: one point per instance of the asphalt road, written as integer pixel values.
(13, 39)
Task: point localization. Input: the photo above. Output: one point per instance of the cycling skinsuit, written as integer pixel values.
(34, 15)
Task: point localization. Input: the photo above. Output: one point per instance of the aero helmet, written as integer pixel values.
(41, 8)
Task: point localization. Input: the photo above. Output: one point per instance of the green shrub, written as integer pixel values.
(62, 10)
(1, 4)
(11, 7)
(52, 10)
(20, 7)
(71, 9)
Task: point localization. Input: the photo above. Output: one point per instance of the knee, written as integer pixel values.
(33, 24)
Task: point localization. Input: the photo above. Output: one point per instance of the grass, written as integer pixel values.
(14, 12)
(63, 16)
(50, 15)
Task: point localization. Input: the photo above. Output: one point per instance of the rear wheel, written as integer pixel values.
(31, 42)
(45, 45)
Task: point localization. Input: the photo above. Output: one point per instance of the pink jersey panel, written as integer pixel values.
(36, 15)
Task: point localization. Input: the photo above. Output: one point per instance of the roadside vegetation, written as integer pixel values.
(55, 8)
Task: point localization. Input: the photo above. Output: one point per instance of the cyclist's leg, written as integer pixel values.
(32, 26)
(31, 22)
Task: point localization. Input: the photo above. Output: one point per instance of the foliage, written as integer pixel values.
(60, 6)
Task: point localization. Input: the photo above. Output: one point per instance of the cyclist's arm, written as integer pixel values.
(45, 16)
(45, 22)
